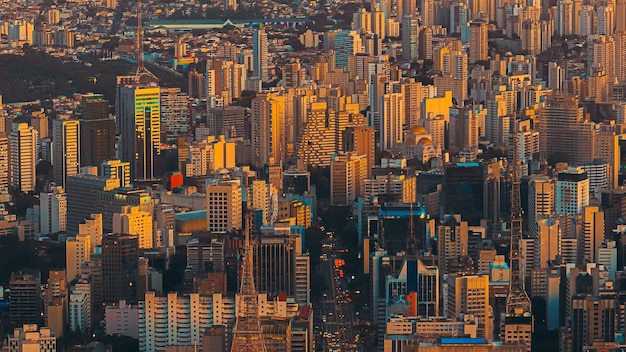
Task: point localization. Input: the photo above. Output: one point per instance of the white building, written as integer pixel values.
(23, 151)
(52, 210)
(572, 191)
(122, 319)
(80, 308)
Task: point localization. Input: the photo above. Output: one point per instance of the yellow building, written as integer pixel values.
(77, 251)
(134, 221)
(470, 295)
(268, 128)
(432, 107)
(347, 171)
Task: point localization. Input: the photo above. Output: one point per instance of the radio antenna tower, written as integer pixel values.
(517, 300)
(142, 71)
(247, 336)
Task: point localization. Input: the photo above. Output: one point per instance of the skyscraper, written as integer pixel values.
(478, 41)
(559, 128)
(410, 29)
(66, 147)
(137, 222)
(268, 128)
(119, 268)
(223, 205)
(572, 191)
(138, 112)
(97, 131)
(4, 167)
(347, 171)
(347, 43)
(25, 298)
(260, 55)
(23, 157)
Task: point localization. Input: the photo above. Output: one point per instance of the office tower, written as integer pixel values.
(97, 131)
(410, 32)
(347, 43)
(464, 127)
(620, 16)
(425, 46)
(592, 319)
(81, 200)
(25, 298)
(275, 258)
(391, 119)
(134, 221)
(227, 121)
(359, 140)
(531, 37)
(77, 251)
(138, 112)
(31, 338)
(591, 236)
(223, 205)
(478, 41)
(605, 19)
(116, 169)
(572, 191)
(139, 117)
(4, 168)
(470, 295)
(23, 152)
(346, 174)
(585, 20)
(268, 128)
(175, 114)
(260, 45)
(620, 53)
(540, 200)
(52, 210)
(476, 184)
(66, 147)
(549, 239)
(560, 129)
(564, 20)
(119, 268)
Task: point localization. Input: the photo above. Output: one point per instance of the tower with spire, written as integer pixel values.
(518, 315)
(138, 113)
(247, 335)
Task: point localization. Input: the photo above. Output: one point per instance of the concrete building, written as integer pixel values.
(52, 211)
(23, 156)
(30, 338)
(223, 205)
(122, 319)
(77, 251)
(572, 191)
(67, 148)
(347, 171)
(135, 221)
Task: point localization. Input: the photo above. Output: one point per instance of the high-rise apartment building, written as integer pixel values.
(592, 235)
(470, 295)
(77, 251)
(347, 43)
(52, 210)
(119, 268)
(540, 200)
(261, 57)
(23, 152)
(571, 192)
(347, 171)
(391, 120)
(66, 147)
(138, 112)
(175, 114)
(223, 205)
(478, 41)
(5, 196)
(97, 131)
(268, 128)
(359, 140)
(133, 220)
(565, 17)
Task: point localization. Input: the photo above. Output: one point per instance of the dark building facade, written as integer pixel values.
(97, 130)
(25, 298)
(119, 268)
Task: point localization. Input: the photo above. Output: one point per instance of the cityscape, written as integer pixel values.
(313, 176)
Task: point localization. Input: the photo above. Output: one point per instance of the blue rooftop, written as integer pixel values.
(463, 341)
(191, 215)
